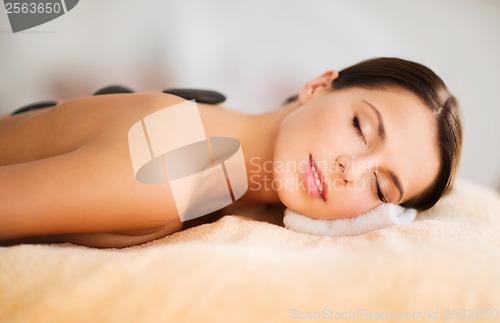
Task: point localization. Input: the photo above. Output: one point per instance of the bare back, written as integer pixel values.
(66, 172)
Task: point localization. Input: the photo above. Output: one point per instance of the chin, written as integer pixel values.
(296, 199)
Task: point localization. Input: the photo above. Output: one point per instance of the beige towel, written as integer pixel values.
(245, 269)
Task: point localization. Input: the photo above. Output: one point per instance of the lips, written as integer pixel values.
(315, 183)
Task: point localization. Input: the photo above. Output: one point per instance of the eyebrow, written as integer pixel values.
(381, 128)
(381, 134)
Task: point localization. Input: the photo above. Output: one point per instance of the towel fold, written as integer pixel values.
(384, 215)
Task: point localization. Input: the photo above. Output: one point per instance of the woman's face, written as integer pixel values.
(343, 152)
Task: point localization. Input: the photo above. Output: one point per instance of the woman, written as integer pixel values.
(383, 130)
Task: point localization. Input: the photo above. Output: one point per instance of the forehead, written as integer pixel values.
(410, 148)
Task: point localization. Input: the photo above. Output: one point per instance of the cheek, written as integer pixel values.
(291, 135)
(312, 121)
(349, 201)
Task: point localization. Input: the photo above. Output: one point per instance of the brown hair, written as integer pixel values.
(383, 73)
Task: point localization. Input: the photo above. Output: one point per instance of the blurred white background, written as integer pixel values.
(260, 52)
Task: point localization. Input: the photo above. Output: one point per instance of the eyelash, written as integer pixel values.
(357, 127)
(379, 192)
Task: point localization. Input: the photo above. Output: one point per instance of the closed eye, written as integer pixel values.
(357, 127)
(378, 190)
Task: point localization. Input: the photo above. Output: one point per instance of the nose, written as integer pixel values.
(350, 169)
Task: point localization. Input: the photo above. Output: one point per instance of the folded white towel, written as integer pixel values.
(384, 215)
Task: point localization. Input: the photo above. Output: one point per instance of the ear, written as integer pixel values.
(319, 84)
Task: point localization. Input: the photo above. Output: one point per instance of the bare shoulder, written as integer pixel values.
(104, 111)
(45, 133)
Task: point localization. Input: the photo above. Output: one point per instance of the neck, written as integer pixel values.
(257, 135)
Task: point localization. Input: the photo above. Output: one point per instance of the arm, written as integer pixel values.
(88, 190)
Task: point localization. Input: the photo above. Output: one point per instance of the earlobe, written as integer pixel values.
(321, 83)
